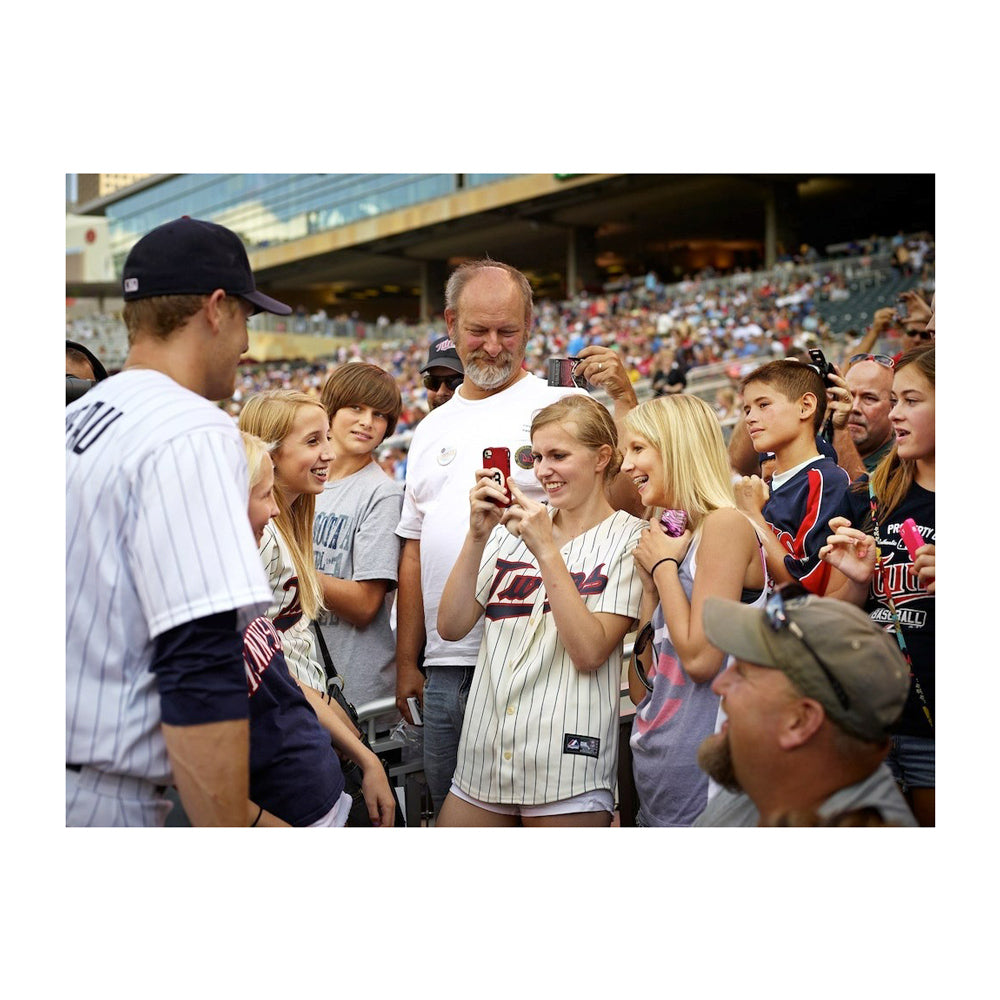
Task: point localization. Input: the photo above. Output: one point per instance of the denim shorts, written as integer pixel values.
(911, 760)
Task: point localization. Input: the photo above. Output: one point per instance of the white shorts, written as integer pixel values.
(337, 816)
(599, 800)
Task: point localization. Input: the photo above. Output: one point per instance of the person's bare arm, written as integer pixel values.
(211, 768)
(354, 601)
(374, 785)
(839, 404)
(742, 457)
(881, 323)
(604, 368)
(257, 816)
(411, 633)
(728, 547)
(751, 494)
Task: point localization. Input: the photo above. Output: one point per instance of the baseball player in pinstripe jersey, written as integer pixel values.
(559, 590)
(162, 572)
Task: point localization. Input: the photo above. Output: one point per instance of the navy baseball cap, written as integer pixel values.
(193, 257)
(443, 354)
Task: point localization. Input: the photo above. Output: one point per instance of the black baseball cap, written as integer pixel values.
(193, 257)
(443, 354)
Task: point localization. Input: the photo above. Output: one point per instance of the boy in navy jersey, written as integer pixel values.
(784, 403)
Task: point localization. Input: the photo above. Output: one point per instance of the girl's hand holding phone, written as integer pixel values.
(655, 544)
(484, 509)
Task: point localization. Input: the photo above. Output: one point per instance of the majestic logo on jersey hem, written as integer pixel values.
(523, 459)
(446, 456)
(584, 746)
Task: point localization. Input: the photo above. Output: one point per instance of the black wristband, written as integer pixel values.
(665, 559)
(260, 813)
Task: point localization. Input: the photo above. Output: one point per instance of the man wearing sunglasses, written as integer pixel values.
(809, 700)
(910, 316)
(443, 372)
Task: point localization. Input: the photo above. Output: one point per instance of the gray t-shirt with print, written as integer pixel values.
(354, 538)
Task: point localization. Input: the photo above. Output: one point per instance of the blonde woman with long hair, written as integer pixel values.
(295, 735)
(296, 430)
(674, 451)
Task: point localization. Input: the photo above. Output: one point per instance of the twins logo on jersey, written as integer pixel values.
(513, 601)
(897, 580)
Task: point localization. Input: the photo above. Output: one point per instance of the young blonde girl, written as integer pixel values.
(559, 592)
(296, 430)
(674, 451)
(295, 735)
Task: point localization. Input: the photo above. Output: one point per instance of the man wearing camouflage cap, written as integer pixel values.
(809, 701)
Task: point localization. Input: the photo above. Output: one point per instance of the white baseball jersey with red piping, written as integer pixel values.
(537, 729)
(157, 535)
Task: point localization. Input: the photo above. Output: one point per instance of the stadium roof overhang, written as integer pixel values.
(527, 221)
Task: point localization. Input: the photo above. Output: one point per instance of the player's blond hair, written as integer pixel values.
(593, 426)
(269, 415)
(686, 432)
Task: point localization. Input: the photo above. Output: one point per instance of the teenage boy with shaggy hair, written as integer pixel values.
(354, 533)
(784, 403)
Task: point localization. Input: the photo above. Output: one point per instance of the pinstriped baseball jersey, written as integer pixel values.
(156, 535)
(537, 729)
(446, 450)
(294, 627)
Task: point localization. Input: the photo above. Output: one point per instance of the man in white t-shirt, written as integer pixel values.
(162, 570)
(489, 316)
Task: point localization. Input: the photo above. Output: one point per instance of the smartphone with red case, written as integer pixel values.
(911, 536)
(498, 460)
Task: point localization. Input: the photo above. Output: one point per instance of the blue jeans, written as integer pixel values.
(446, 691)
(911, 760)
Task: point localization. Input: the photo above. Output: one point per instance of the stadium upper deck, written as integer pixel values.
(383, 244)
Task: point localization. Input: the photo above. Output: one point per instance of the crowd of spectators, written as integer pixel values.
(729, 321)
(618, 506)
